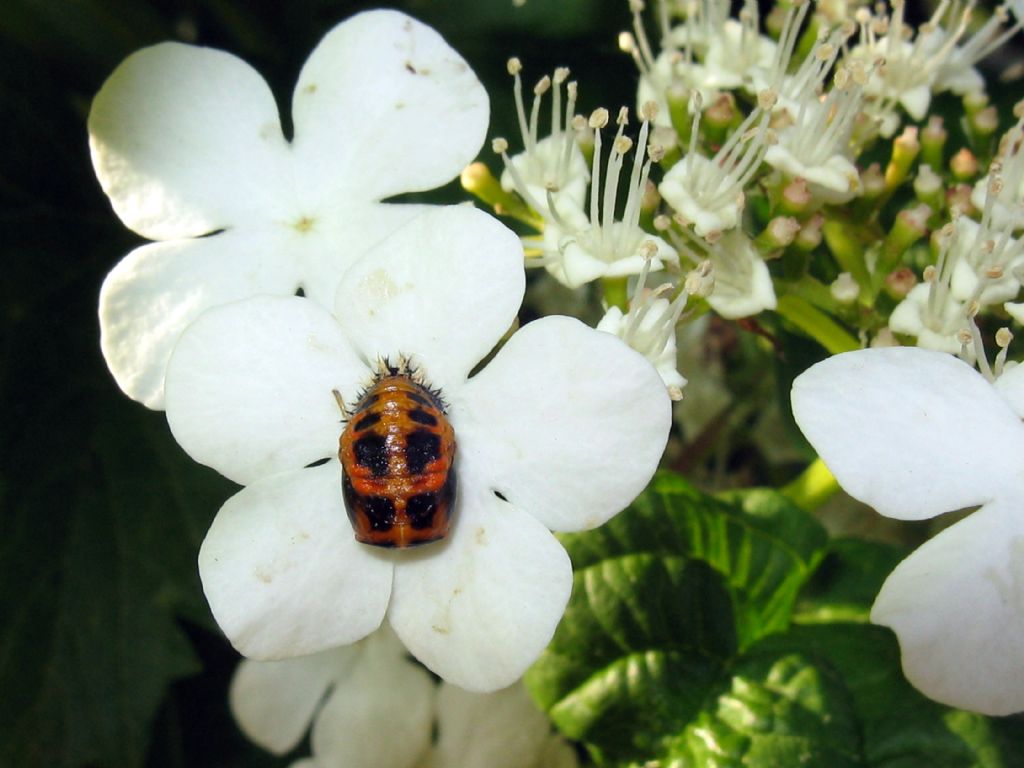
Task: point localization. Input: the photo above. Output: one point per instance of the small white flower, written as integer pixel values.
(816, 146)
(730, 274)
(649, 327)
(708, 192)
(367, 706)
(346, 694)
(986, 262)
(559, 431)
(553, 163)
(187, 144)
(930, 312)
(915, 433)
(917, 65)
(576, 247)
(1006, 198)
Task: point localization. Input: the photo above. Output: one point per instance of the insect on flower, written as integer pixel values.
(397, 454)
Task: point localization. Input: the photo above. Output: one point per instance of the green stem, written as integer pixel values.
(816, 324)
(616, 292)
(812, 487)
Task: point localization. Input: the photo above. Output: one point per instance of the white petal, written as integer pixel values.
(273, 701)
(342, 237)
(283, 573)
(185, 140)
(957, 606)
(381, 715)
(568, 423)
(443, 289)
(384, 106)
(157, 290)
(478, 608)
(489, 730)
(911, 432)
(249, 386)
(1010, 385)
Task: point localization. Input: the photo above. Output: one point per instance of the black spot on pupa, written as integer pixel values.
(418, 398)
(372, 453)
(420, 509)
(380, 512)
(422, 417)
(421, 448)
(367, 421)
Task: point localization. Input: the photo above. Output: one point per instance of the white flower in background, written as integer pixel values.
(930, 312)
(495, 730)
(367, 706)
(730, 274)
(559, 431)
(576, 247)
(816, 146)
(356, 698)
(915, 433)
(913, 67)
(187, 144)
(1006, 199)
(987, 260)
(649, 327)
(708, 192)
(553, 164)
(738, 55)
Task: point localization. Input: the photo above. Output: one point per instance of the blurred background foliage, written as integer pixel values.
(108, 654)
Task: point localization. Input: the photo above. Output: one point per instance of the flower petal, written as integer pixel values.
(381, 715)
(384, 106)
(1010, 385)
(249, 386)
(957, 606)
(185, 141)
(273, 701)
(283, 573)
(566, 422)
(478, 608)
(445, 287)
(341, 237)
(491, 730)
(153, 294)
(911, 432)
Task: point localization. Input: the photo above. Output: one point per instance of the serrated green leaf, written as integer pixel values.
(665, 596)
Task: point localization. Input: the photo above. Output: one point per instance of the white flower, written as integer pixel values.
(730, 274)
(1001, 191)
(986, 262)
(709, 192)
(559, 431)
(916, 66)
(187, 143)
(554, 163)
(816, 146)
(649, 327)
(367, 706)
(915, 433)
(576, 247)
(356, 698)
(930, 311)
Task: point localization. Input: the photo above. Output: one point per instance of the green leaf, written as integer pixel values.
(848, 580)
(99, 555)
(665, 596)
(900, 727)
(699, 635)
